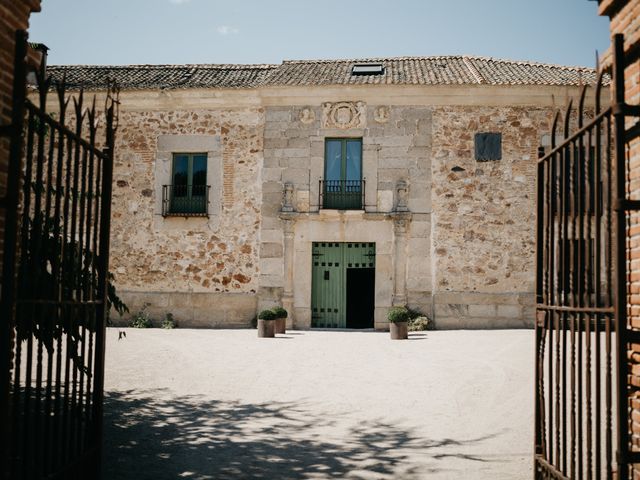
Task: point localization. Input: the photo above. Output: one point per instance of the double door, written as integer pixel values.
(343, 284)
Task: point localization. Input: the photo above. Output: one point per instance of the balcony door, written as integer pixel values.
(343, 185)
(189, 185)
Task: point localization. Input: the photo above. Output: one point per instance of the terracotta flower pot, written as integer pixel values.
(281, 325)
(399, 330)
(266, 328)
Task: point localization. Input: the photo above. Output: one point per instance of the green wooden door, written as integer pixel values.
(330, 261)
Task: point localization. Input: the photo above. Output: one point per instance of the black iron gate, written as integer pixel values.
(53, 302)
(582, 414)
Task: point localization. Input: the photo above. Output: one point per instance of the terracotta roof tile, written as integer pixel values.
(139, 77)
(438, 70)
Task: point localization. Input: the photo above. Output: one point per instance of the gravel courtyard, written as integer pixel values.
(223, 404)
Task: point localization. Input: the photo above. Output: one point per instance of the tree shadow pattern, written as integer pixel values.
(154, 435)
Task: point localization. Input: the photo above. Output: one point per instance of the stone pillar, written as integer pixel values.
(287, 296)
(400, 227)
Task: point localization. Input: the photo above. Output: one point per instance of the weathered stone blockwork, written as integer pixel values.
(454, 237)
(184, 265)
(396, 147)
(484, 216)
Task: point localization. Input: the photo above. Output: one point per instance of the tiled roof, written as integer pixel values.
(138, 77)
(443, 70)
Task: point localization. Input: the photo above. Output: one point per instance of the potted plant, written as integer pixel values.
(266, 324)
(281, 319)
(398, 319)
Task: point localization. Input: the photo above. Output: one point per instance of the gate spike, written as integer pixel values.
(583, 94)
(567, 119)
(77, 105)
(63, 101)
(554, 127)
(44, 84)
(598, 90)
(93, 125)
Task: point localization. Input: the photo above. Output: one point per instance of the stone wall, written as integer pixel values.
(484, 217)
(454, 237)
(396, 144)
(179, 265)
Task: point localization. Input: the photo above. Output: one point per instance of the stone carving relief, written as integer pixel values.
(307, 115)
(343, 115)
(287, 197)
(381, 114)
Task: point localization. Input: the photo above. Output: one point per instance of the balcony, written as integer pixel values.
(342, 194)
(185, 200)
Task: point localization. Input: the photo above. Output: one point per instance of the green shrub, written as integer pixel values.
(398, 314)
(169, 322)
(267, 315)
(141, 319)
(280, 312)
(419, 323)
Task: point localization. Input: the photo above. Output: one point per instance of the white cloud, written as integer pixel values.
(179, 2)
(227, 30)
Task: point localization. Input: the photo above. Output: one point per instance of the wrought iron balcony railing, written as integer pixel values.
(342, 194)
(185, 200)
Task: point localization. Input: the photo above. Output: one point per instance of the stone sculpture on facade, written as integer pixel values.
(402, 191)
(381, 114)
(343, 115)
(307, 115)
(287, 201)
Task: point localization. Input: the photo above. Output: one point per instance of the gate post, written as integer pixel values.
(7, 292)
(620, 279)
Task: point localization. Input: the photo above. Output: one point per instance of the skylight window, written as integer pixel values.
(367, 69)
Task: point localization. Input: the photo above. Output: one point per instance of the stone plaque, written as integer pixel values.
(343, 115)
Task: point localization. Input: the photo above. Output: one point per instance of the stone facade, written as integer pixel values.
(484, 216)
(202, 270)
(395, 148)
(454, 237)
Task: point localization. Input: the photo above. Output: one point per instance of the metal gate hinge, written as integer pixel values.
(625, 109)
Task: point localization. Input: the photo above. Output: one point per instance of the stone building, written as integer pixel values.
(337, 188)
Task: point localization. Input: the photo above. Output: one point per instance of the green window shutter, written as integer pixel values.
(188, 191)
(342, 187)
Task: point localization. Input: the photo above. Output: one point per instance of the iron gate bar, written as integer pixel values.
(621, 255)
(581, 293)
(9, 245)
(55, 298)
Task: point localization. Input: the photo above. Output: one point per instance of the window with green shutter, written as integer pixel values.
(188, 193)
(343, 186)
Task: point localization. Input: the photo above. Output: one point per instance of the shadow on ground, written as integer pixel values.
(154, 435)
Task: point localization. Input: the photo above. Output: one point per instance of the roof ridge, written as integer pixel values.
(474, 71)
(370, 59)
(532, 63)
(148, 66)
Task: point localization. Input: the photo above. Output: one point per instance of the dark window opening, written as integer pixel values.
(188, 193)
(488, 146)
(367, 69)
(343, 186)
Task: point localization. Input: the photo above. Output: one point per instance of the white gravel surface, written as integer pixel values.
(224, 404)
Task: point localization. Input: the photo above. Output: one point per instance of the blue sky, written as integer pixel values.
(252, 31)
